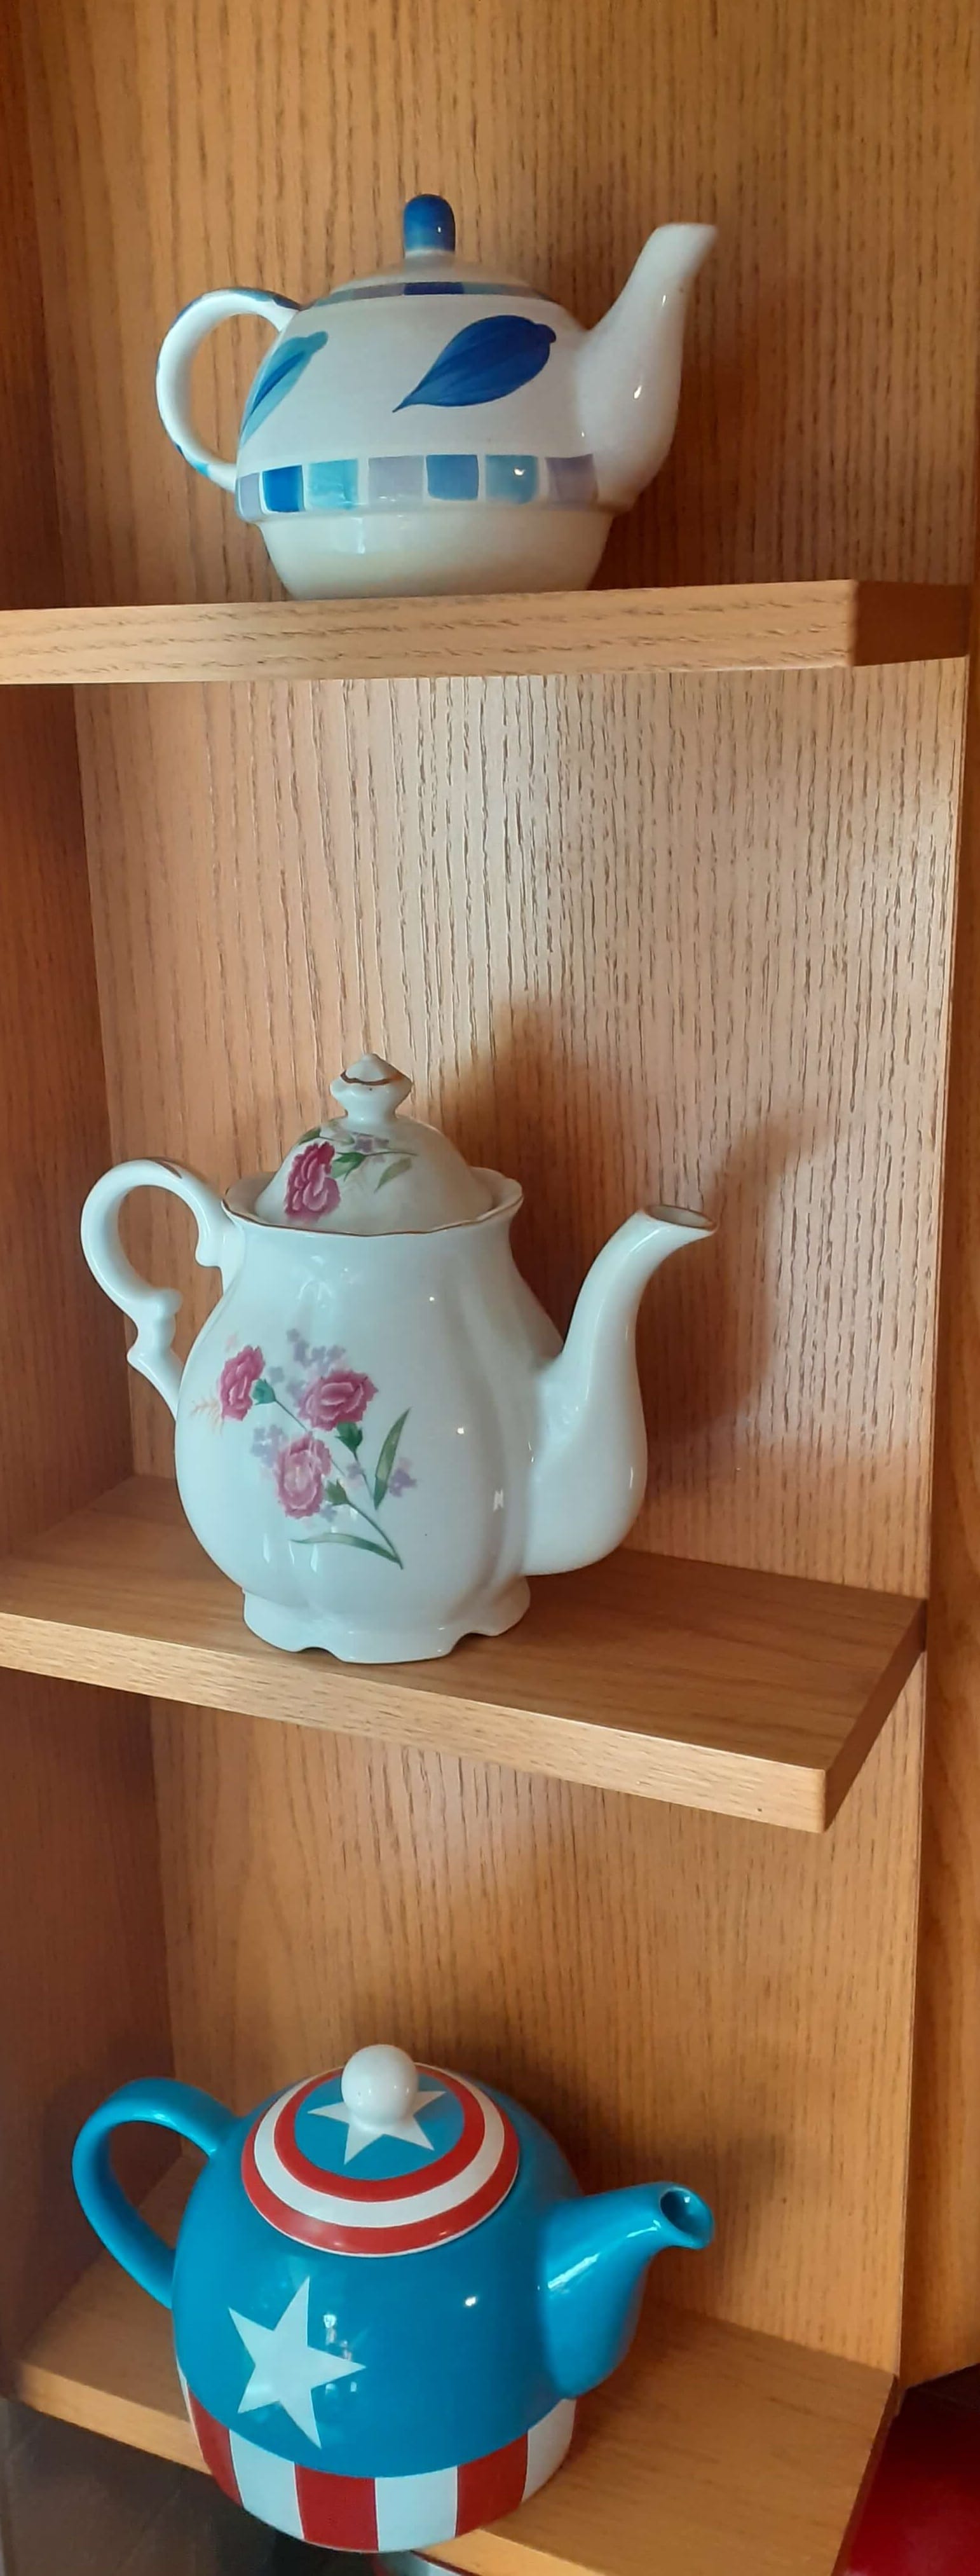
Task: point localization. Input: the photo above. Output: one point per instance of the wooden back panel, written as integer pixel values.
(536, 896)
(827, 413)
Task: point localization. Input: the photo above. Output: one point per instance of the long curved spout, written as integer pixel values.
(629, 367)
(590, 1447)
(595, 2257)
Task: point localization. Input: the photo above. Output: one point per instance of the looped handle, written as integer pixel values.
(164, 2105)
(174, 367)
(154, 1310)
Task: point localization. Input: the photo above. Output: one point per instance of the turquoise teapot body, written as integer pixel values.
(387, 2294)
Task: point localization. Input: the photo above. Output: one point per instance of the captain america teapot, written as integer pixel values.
(387, 2295)
(378, 1433)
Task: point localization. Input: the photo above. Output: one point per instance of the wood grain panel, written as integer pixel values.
(672, 1993)
(81, 1988)
(537, 897)
(759, 2454)
(827, 414)
(829, 625)
(942, 2326)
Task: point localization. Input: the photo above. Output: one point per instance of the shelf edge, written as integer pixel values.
(751, 626)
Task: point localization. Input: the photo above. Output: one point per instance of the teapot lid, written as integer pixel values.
(370, 1171)
(430, 265)
(380, 2157)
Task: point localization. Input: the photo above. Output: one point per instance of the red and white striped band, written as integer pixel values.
(404, 2215)
(382, 2513)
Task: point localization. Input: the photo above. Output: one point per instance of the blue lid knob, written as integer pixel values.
(429, 223)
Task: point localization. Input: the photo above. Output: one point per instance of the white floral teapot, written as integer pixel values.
(379, 1436)
(440, 428)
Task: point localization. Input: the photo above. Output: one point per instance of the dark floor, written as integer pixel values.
(72, 2505)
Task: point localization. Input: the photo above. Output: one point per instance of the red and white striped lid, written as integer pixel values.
(380, 2157)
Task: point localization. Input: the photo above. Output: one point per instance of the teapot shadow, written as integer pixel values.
(565, 1129)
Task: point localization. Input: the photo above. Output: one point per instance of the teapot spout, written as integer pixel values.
(596, 2254)
(588, 1474)
(629, 367)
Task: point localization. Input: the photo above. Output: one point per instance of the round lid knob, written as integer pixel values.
(381, 2086)
(370, 1091)
(428, 224)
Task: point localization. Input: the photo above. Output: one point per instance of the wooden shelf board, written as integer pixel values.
(713, 2451)
(750, 1694)
(762, 626)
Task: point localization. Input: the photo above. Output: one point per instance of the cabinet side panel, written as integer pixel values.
(826, 417)
(81, 1999)
(942, 2330)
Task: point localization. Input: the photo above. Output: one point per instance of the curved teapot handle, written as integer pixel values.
(164, 2105)
(153, 1310)
(174, 367)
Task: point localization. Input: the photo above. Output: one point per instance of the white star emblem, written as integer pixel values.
(287, 2367)
(362, 2132)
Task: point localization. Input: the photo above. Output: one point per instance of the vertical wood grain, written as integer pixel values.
(81, 1987)
(942, 2323)
(637, 940)
(827, 413)
(674, 1994)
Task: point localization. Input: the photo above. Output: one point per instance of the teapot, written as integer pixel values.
(436, 427)
(388, 2293)
(378, 1434)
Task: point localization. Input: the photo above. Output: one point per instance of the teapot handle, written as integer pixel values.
(154, 1310)
(164, 2105)
(174, 367)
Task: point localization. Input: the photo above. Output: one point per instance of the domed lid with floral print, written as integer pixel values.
(370, 1171)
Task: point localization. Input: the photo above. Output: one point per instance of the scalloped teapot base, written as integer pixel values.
(295, 1630)
(441, 547)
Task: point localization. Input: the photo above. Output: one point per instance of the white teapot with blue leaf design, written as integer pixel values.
(378, 1433)
(438, 428)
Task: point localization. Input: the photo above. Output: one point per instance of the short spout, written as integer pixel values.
(629, 367)
(596, 2254)
(588, 1474)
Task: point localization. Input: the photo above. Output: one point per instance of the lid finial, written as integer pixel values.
(428, 224)
(370, 1091)
(380, 2085)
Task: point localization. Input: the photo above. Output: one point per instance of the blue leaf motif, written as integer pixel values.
(483, 362)
(282, 369)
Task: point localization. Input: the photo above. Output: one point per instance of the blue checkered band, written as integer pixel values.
(405, 482)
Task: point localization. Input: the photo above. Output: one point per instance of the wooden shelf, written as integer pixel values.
(753, 1695)
(754, 626)
(712, 2452)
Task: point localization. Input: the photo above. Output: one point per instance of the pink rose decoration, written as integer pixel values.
(311, 1189)
(236, 1382)
(301, 1471)
(340, 1397)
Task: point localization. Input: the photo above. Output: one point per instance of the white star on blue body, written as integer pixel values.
(362, 2133)
(286, 2367)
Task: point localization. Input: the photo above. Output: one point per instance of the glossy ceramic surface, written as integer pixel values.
(437, 427)
(378, 1435)
(387, 2293)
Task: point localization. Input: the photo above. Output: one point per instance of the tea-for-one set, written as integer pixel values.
(388, 2291)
